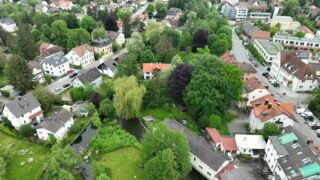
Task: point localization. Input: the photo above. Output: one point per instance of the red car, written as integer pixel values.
(70, 72)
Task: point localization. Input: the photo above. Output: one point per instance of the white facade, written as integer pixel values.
(263, 16)
(232, 2)
(120, 40)
(85, 60)
(202, 167)
(271, 156)
(147, 75)
(108, 72)
(246, 144)
(96, 83)
(286, 23)
(301, 43)
(241, 13)
(38, 75)
(256, 123)
(8, 27)
(269, 51)
(17, 122)
(56, 71)
(43, 133)
(256, 94)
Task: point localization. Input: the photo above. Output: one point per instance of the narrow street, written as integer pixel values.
(299, 99)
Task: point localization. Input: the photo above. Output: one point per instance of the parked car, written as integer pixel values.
(265, 74)
(312, 123)
(316, 127)
(57, 89)
(276, 84)
(66, 85)
(308, 118)
(73, 75)
(272, 81)
(300, 110)
(318, 134)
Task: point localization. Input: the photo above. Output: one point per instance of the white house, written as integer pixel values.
(203, 158)
(55, 65)
(241, 13)
(8, 25)
(109, 67)
(42, 6)
(268, 50)
(23, 110)
(268, 109)
(116, 37)
(292, 156)
(296, 42)
(252, 145)
(285, 22)
(102, 46)
(57, 125)
(90, 77)
(150, 68)
(294, 73)
(37, 72)
(238, 13)
(253, 90)
(82, 55)
(62, 4)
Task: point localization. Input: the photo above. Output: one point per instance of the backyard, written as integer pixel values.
(28, 171)
(123, 163)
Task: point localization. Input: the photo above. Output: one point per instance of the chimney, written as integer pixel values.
(269, 106)
(266, 102)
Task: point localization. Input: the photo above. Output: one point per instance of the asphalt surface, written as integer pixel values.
(299, 99)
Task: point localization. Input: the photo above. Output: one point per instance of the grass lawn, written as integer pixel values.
(29, 171)
(82, 121)
(3, 79)
(124, 164)
(174, 112)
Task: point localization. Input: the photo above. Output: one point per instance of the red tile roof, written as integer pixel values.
(229, 144)
(150, 67)
(227, 57)
(214, 135)
(229, 167)
(253, 84)
(82, 49)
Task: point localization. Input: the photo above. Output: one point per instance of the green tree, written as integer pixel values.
(153, 32)
(96, 120)
(161, 10)
(315, 102)
(26, 44)
(66, 157)
(99, 33)
(174, 37)
(299, 34)
(36, 34)
(128, 97)
(59, 34)
(186, 39)
(39, 19)
(46, 30)
(106, 109)
(160, 138)
(26, 130)
(156, 92)
(53, 171)
(129, 66)
(162, 166)
(88, 23)
(19, 74)
(150, 10)
(3, 165)
(214, 86)
(124, 14)
(148, 56)
(176, 60)
(46, 98)
(3, 61)
(103, 177)
(290, 7)
(127, 29)
(269, 129)
(164, 47)
(77, 37)
(71, 20)
(135, 44)
(81, 93)
(218, 44)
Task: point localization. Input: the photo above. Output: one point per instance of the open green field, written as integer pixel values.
(32, 171)
(124, 164)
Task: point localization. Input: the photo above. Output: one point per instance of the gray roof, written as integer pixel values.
(35, 64)
(89, 76)
(270, 47)
(246, 68)
(7, 21)
(23, 104)
(199, 146)
(56, 60)
(100, 42)
(109, 64)
(278, 146)
(56, 120)
(241, 173)
(113, 34)
(294, 38)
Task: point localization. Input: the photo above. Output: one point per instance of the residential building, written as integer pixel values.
(290, 41)
(253, 32)
(37, 71)
(62, 4)
(285, 22)
(253, 90)
(225, 143)
(267, 109)
(41, 7)
(238, 13)
(8, 25)
(291, 156)
(249, 72)
(57, 124)
(102, 47)
(307, 32)
(228, 58)
(294, 73)
(23, 110)
(82, 55)
(90, 77)
(263, 16)
(47, 50)
(200, 150)
(268, 50)
(232, 2)
(150, 68)
(109, 67)
(173, 14)
(116, 37)
(252, 145)
(55, 65)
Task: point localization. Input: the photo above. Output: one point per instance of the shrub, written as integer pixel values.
(6, 122)
(26, 130)
(246, 126)
(48, 79)
(256, 54)
(245, 157)
(96, 56)
(5, 93)
(75, 128)
(115, 47)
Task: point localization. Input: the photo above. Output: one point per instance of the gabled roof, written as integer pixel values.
(23, 104)
(82, 49)
(56, 120)
(229, 144)
(293, 65)
(49, 49)
(150, 67)
(253, 84)
(267, 107)
(62, 3)
(89, 76)
(214, 134)
(113, 34)
(246, 67)
(55, 60)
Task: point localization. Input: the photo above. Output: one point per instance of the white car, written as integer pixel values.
(317, 131)
(308, 113)
(57, 89)
(300, 110)
(312, 123)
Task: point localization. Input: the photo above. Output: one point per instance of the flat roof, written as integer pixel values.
(270, 47)
(310, 169)
(250, 141)
(293, 38)
(288, 138)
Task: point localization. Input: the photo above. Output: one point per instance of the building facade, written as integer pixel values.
(289, 41)
(56, 65)
(82, 55)
(268, 50)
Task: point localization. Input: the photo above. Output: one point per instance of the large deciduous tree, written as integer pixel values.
(157, 141)
(110, 24)
(153, 32)
(26, 44)
(178, 80)
(161, 10)
(99, 33)
(200, 39)
(128, 97)
(214, 86)
(135, 44)
(150, 10)
(164, 47)
(19, 74)
(129, 66)
(77, 37)
(59, 34)
(46, 98)
(88, 23)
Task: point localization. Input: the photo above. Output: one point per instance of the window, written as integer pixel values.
(200, 167)
(194, 159)
(209, 173)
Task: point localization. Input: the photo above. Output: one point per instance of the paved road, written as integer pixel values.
(241, 55)
(65, 80)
